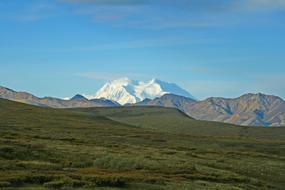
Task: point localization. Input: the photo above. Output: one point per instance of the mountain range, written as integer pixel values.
(76, 101)
(249, 109)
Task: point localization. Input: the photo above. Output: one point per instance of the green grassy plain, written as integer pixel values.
(135, 148)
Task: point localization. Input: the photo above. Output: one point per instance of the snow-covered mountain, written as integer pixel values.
(125, 90)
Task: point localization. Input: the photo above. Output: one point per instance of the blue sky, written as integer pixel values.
(209, 47)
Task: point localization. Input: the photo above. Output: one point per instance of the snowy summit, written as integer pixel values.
(125, 90)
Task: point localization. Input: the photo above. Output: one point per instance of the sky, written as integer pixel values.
(220, 48)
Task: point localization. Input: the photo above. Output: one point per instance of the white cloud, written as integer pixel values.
(157, 14)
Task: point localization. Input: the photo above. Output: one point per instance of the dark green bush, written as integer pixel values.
(18, 180)
(106, 181)
(54, 184)
(119, 163)
(25, 152)
(7, 152)
(38, 179)
(4, 184)
(64, 183)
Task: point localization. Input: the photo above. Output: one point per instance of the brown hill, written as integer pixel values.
(74, 102)
(249, 109)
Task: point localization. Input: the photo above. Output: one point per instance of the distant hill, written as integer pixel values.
(170, 100)
(76, 101)
(79, 98)
(249, 109)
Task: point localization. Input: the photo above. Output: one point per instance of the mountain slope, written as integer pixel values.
(174, 121)
(126, 91)
(79, 98)
(249, 109)
(169, 100)
(76, 101)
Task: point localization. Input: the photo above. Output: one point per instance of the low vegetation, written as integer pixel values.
(133, 148)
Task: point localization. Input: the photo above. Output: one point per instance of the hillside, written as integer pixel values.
(174, 121)
(249, 109)
(76, 101)
(171, 101)
(133, 148)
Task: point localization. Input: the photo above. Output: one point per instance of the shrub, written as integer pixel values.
(106, 181)
(21, 179)
(16, 180)
(64, 183)
(118, 163)
(4, 184)
(25, 152)
(54, 184)
(37, 165)
(7, 152)
(38, 179)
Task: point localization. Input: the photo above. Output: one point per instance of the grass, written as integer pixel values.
(133, 148)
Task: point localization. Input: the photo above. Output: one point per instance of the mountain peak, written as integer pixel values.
(154, 80)
(78, 97)
(259, 96)
(125, 90)
(6, 89)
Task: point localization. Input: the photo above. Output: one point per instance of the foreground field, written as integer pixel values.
(133, 148)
